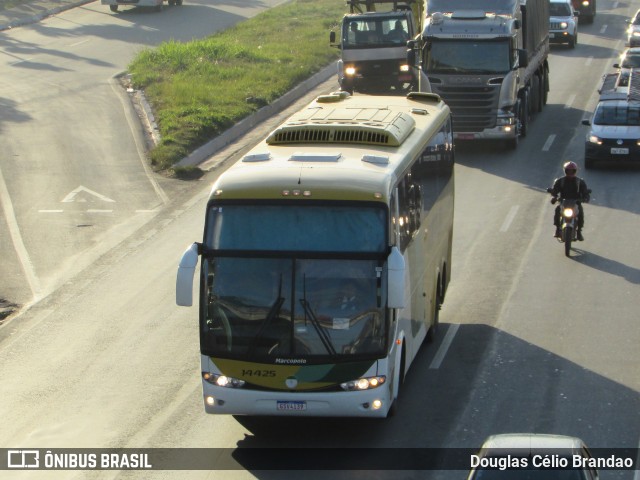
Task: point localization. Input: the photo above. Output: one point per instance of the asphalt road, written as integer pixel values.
(530, 340)
(74, 179)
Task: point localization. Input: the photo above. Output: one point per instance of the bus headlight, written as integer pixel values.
(222, 380)
(350, 71)
(365, 383)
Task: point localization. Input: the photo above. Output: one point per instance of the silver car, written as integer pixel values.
(563, 23)
(522, 451)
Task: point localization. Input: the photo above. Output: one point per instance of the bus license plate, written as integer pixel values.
(297, 406)
(620, 151)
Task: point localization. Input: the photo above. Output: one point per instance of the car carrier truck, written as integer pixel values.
(373, 45)
(488, 62)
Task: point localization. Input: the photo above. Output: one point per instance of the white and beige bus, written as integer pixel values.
(326, 257)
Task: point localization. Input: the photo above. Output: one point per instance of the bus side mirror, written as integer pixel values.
(186, 271)
(395, 279)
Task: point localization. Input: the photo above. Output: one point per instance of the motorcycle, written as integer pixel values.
(569, 211)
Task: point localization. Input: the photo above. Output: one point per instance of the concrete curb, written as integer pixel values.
(25, 17)
(242, 127)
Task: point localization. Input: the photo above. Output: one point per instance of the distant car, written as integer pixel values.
(563, 23)
(633, 32)
(629, 59)
(515, 448)
(614, 135)
(587, 9)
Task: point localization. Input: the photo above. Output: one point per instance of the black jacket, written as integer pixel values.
(571, 188)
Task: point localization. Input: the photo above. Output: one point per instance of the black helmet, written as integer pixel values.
(570, 169)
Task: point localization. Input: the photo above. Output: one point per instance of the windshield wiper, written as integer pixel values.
(274, 311)
(324, 337)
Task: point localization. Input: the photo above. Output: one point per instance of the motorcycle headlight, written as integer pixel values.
(350, 71)
(568, 212)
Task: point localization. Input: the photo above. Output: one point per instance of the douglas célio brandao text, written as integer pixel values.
(512, 462)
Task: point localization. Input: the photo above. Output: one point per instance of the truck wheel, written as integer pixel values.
(541, 94)
(536, 105)
(113, 8)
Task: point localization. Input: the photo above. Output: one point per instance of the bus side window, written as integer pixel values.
(393, 219)
(410, 206)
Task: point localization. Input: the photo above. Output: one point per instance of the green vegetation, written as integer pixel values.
(200, 88)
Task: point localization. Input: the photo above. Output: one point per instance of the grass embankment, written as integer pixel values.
(200, 88)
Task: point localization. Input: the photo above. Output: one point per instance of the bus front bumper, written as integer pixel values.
(372, 403)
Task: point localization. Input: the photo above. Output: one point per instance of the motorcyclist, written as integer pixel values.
(570, 187)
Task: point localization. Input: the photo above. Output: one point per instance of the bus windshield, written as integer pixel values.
(269, 308)
(299, 228)
(316, 294)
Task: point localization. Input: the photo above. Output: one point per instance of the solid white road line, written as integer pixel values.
(547, 144)
(569, 103)
(16, 237)
(444, 346)
(509, 219)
